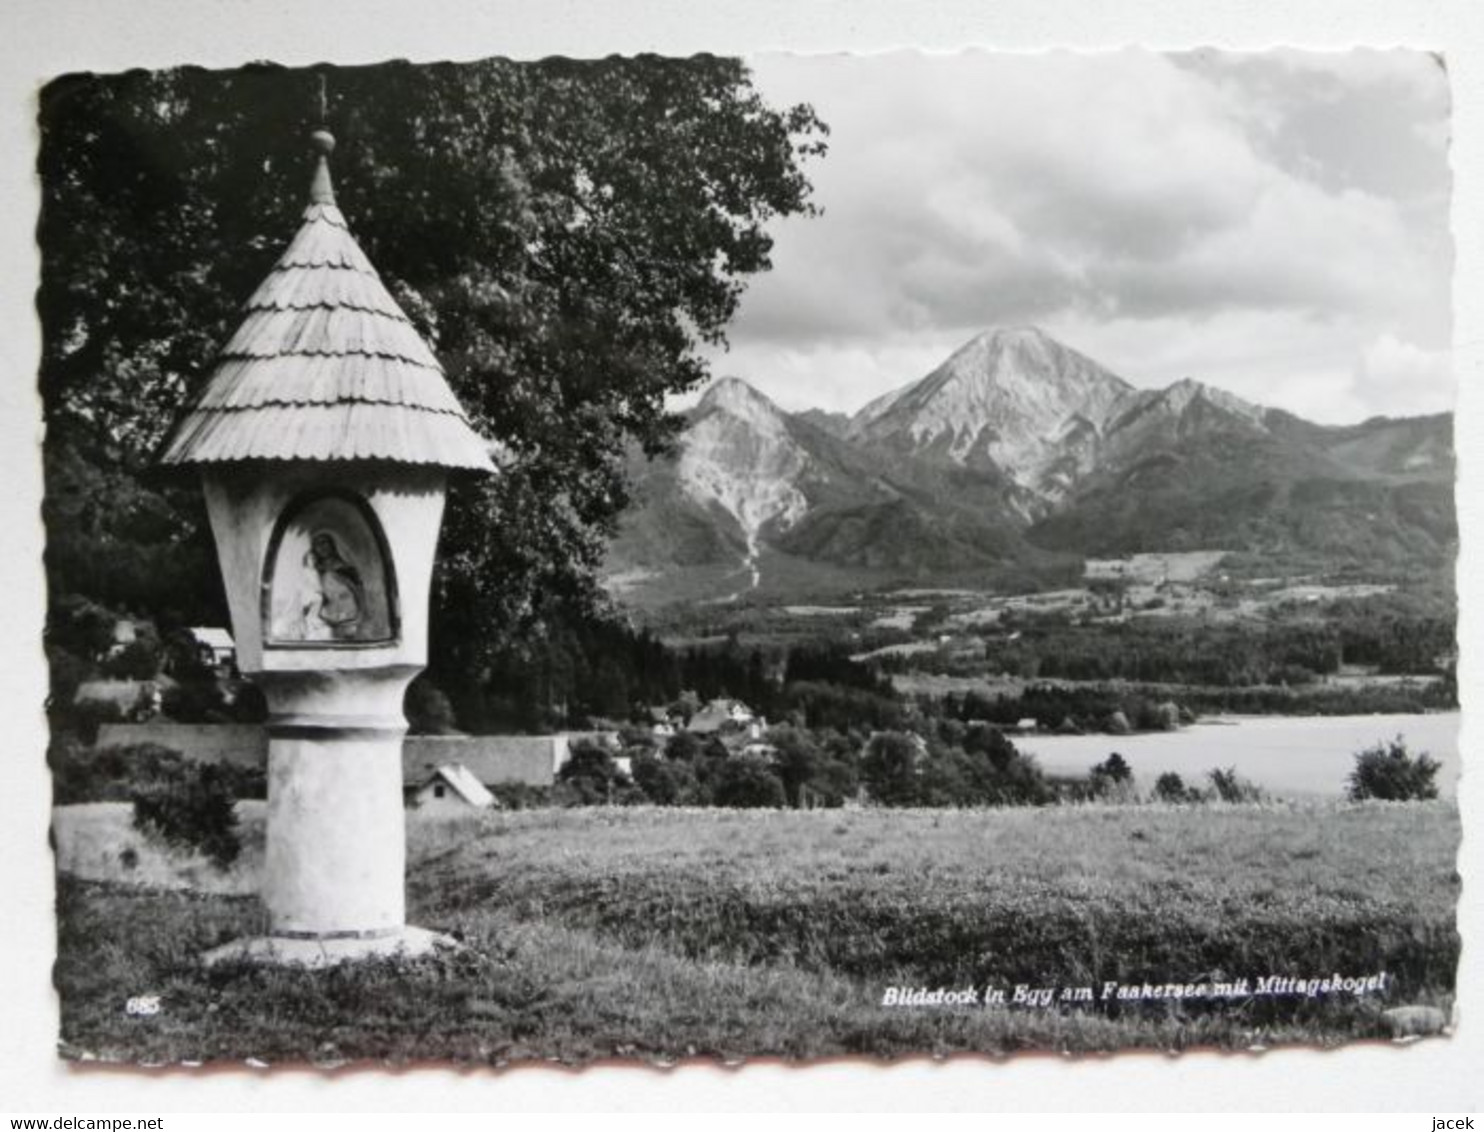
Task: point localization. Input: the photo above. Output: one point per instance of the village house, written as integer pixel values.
(758, 748)
(216, 649)
(721, 715)
(451, 788)
(125, 633)
(530, 760)
(661, 725)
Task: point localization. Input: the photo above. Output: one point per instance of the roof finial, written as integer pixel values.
(320, 190)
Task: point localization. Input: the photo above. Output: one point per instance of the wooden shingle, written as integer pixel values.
(327, 366)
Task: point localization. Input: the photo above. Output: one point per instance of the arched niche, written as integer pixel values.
(328, 580)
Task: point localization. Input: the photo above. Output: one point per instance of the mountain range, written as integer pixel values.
(1009, 463)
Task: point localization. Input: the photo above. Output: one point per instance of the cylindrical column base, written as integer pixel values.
(336, 853)
(334, 869)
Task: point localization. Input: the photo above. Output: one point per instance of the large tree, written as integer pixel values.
(566, 234)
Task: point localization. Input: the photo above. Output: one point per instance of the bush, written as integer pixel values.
(521, 795)
(197, 701)
(591, 776)
(82, 773)
(1112, 780)
(138, 660)
(191, 806)
(1170, 787)
(890, 768)
(683, 746)
(1389, 772)
(68, 671)
(428, 709)
(748, 782)
(665, 782)
(1232, 787)
(85, 719)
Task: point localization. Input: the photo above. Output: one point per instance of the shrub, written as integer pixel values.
(428, 709)
(748, 782)
(1170, 787)
(1232, 787)
(138, 660)
(683, 746)
(86, 719)
(665, 782)
(1389, 772)
(1112, 780)
(890, 768)
(197, 701)
(834, 781)
(68, 671)
(592, 776)
(190, 805)
(115, 774)
(796, 760)
(521, 795)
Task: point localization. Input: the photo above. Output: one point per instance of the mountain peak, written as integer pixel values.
(733, 395)
(1014, 336)
(1012, 396)
(986, 349)
(1180, 395)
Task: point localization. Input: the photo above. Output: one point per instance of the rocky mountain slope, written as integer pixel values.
(1013, 458)
(1016, 400)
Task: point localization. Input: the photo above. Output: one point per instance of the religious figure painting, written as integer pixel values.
(327, 580)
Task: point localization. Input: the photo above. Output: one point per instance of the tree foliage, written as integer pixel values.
(891, 766)
(748, 782)
(566, 234)
(1390, 772)
(592, 774)
(191, 805)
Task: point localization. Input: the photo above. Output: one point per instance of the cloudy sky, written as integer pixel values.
(1274, 224)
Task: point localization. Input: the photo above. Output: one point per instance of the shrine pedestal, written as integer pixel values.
(324, 440)
(334, 866)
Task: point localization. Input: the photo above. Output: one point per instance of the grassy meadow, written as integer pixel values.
(666, 934)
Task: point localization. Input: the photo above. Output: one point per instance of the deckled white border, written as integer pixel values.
(40, 38)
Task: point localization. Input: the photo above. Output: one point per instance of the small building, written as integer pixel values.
(531, 760)
(451, 787)
(720, 715)
(125, 633)
(661, 725)
(215, 648)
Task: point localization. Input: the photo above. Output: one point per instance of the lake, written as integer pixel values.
(1285, 755)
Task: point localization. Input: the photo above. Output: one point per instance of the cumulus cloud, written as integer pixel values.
(1397, 378)
(1167, 203)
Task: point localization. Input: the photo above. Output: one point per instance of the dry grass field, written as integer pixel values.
(666, 934)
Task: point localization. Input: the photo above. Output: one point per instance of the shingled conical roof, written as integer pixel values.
(326, 366)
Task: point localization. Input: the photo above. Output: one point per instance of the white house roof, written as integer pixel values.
(213, 637)
(461, 780)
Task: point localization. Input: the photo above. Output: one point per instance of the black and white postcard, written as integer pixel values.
(672, 557)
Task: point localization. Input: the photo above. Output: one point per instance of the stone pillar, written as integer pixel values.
(335, 860)
(324, 440)
(336, 840)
